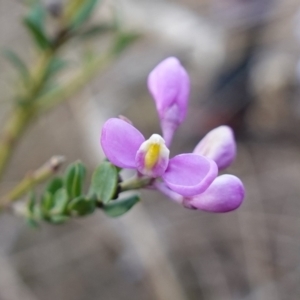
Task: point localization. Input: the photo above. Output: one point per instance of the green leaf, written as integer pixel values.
(96, 30)
(84, 13)
(37, 14)
(38, 35)
(74, 177)
(120, 207)
(30, 219)
(17, 62)
(55, 184)
(55, 66)
(48, 88)
(58, 219)
(31, 203)
(60, 202)
(38, 214)
(47, 203)
(34, 22)
(123, 40)
(82, 206)
(32, 222)
(105, 182)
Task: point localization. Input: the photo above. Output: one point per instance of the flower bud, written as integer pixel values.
(218, 145)
(225, 194)
(169, 85)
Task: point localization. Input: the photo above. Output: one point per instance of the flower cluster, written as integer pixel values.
(190, 179)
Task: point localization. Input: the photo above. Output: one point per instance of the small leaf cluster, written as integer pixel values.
(66, 197)
(35, 21)
(71, 20)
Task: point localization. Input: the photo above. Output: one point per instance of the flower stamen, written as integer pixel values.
(152, 156)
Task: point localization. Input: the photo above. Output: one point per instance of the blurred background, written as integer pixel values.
(243, 60)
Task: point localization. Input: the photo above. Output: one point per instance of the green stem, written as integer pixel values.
(32, 179)
(135, 183)
(13, 129)
(38, 75)
(74, 85)
(21, 115)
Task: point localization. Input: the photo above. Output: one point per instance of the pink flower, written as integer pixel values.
(226, 192)
(186, 174)
(190, 178)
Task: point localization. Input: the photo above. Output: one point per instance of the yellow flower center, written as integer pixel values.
(152, 156)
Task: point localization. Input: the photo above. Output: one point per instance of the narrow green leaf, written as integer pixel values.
(120, 207)
(55, 184)
(38, 35)
(60, 202)
(105, 182)
(46, 204)
(31, 203)
(37, 14)
(95, 31)
(74, 177)
(38, 214)
(84, 13)
(123, 40)
(32, 222)
(34, 22)
(17, 62)
(55, 66)
(82, 206)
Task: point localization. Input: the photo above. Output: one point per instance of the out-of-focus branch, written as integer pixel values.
(24, 112)
(22, 115)
(13, 129)
(31, 100)
(32, 179)
(74, 85)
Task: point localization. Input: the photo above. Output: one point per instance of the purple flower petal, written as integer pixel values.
(120, 142)
(225, 194)
(218, 145)
(161, 186)
(169, 123)
(169, 85)
(190, 174)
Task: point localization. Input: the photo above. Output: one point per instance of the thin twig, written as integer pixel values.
(32, 179)
(21, 116)
(13, 129)
(74, 85)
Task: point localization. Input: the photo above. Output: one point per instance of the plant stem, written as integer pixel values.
(32, 179)
(22, 114)
(160, 186)
(74, 85)
(13, 129)
(135, 183)
(71, 8)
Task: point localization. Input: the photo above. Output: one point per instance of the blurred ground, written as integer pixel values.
(242, 66)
